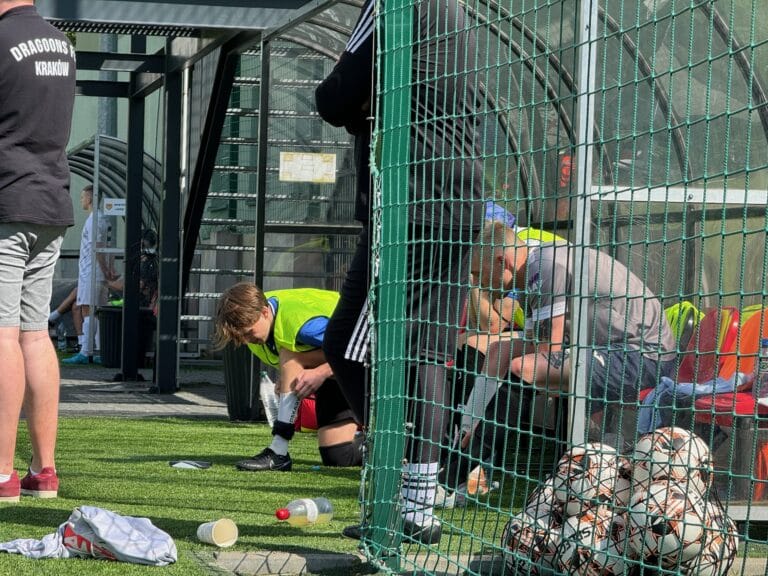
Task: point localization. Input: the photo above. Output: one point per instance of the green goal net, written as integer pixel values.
(569, 256)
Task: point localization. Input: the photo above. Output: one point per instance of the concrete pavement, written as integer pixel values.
(90, 390)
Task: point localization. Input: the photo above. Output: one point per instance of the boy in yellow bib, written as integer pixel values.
(285, 330)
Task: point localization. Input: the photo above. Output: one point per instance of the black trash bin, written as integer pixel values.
(111, 335)
(242, 393)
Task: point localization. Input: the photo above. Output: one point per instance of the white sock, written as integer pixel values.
(279, 445)
(34, 472)
(4, 478)
(418, 492)
(97, 339)
(85, 347)
(286, 412)
(54, 316)
(289, 405)
(482, 393)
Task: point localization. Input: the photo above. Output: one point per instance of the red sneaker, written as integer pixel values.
(9, 491)
(42, 485)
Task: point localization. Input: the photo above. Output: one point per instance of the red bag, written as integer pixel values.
(306, 417)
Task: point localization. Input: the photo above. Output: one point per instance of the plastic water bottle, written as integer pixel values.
(306, 511)
(760, 382)
(61, 336)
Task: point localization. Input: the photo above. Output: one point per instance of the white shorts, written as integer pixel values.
(86, 298)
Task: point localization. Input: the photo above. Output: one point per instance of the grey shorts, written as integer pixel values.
(28, 255)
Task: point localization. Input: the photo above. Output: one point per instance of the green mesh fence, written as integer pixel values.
(621, 147)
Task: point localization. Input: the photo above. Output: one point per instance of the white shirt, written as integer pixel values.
(85, 263)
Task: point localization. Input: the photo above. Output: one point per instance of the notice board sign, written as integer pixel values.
(307, 167)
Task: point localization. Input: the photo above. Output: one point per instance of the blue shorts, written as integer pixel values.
(28, 255)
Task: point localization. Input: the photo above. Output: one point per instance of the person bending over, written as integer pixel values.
(285, 330)
(631, 344)
(491, 316)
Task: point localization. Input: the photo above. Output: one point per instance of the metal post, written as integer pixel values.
(166, 357)
(261, 185)
(95, 200)
(261, 190)
(584, 147)
(390, 226)
(134, 195)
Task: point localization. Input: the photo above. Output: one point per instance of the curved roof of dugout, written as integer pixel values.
(323, 25)
(642, 112)
(111, 170)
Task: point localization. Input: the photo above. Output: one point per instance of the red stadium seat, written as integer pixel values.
(738, 410)
(701, 361)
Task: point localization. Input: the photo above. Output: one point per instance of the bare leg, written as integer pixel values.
(11, 394)
(537, 369)
(87, 331)
(68, 302)
(500, 355)
(336, 434)
(77, 319)
(482, 341)
(292, 363)
(41, 401)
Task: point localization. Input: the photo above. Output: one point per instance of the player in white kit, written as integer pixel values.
(91, 285)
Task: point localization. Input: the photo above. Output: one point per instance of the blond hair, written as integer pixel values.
(238, 309)
(496, 234)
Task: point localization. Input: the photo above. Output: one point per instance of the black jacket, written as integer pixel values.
(446, 155)
(345, 99)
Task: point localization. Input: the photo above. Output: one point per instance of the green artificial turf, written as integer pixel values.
(123, 465)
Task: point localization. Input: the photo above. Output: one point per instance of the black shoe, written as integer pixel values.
(428, 533)
(265, 461)
(355, 531)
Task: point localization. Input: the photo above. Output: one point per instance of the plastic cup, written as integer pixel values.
(221, 533)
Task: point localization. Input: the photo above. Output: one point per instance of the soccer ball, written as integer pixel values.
(667, 522)
(623, 486)
(614, 559)
(592, 544)
(585, 476)
(528, 543)
(673, 453)
(721, 543)
(543, 505)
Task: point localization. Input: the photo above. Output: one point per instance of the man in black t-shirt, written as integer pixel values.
(37, 93)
